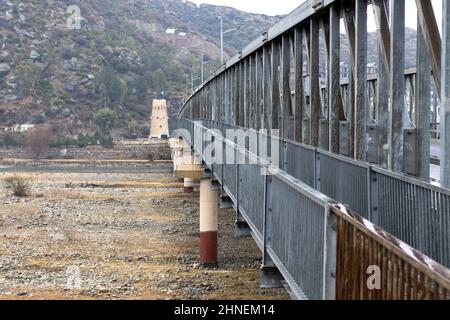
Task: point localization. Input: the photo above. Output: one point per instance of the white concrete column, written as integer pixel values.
(208, 223)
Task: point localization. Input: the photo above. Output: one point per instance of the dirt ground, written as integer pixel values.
(117, 235)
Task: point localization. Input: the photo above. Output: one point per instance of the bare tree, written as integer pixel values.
(37, 141)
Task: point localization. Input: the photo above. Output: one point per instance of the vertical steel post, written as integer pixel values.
(299, 90)
(423, 109)
(335, 100)
(445, 97)
(270, 276)
(330, 255)
(267, 89)
(314, 82)
(361, 105)
(382, 113)
(286, 87)
(397, 84)
(276, 102)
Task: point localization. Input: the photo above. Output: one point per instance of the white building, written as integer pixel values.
(20, 128)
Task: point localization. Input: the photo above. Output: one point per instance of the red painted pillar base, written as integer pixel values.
(188, 189)
(188, 185)
(208, 249)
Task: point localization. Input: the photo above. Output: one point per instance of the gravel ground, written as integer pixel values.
(117, 236)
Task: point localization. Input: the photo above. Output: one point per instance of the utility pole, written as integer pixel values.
(192, 80)
(221, 38)
(222, 33)
(202, 69)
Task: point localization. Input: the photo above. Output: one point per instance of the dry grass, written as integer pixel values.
(133, 242)
(18, 185)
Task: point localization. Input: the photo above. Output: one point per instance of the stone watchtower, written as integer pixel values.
(159, 126)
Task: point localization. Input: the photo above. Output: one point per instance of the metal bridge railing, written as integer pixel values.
(322, 248)
(414, 211)
(284, 80)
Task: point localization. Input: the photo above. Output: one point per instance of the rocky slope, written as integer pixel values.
(120, 58)
(125, 53)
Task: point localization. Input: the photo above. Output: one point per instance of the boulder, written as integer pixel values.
(34, 55)
(8, 16)
(4, 69)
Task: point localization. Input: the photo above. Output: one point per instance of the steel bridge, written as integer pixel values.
(351, 191)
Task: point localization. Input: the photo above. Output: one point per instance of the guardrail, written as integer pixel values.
(414, 211)
(323, 249)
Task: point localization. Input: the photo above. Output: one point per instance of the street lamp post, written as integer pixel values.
(202, 68)
(192, 80)
(221, 38)
(222, 33)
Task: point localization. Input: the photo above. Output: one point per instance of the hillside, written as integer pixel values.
(121, 57)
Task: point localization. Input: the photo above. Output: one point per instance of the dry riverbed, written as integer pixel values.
(117, 235)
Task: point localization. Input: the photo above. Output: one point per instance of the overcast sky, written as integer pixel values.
(271, 7)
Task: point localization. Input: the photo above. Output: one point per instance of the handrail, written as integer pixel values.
(421, 262)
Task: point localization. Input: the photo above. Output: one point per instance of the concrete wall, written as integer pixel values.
(119, 152)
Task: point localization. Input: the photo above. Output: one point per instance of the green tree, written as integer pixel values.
(27, 78)
(105, 120)
(159, 81)
(10, 140)
(141, 88)
(132, 127)
(111, 87)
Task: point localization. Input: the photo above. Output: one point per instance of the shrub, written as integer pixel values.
(37, 141)
(106, 140)
(18, 185)
(105, 120)
(63, 141)
(11, 140)
(151, 157)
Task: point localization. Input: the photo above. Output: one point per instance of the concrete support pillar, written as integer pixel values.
(208, 223)
(188, 185)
